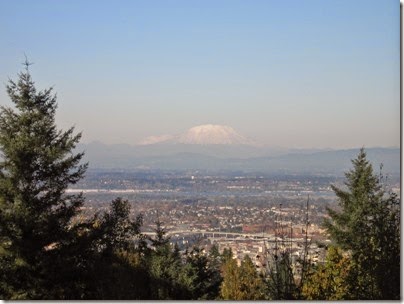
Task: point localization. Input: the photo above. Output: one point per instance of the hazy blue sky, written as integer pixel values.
(300, 73)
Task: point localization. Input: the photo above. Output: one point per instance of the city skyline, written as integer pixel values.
(298, 74)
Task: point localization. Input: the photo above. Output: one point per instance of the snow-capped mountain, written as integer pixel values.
(151, 140)
(212, 135)
(202, 135)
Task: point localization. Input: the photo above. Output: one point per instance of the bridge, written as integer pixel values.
(213, 234)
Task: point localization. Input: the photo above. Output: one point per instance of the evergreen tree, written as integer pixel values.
(37, 166)
(251, 284)
(281, 283)
(226, 255)
(329, 281)
(241, 283)
(205, 275)
(230, 288)
(169, 279)
(368, 226)
(116, 231)
(214, 252)
(113, 267)
(160, 240)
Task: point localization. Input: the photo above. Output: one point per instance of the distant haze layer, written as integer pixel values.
(233, 157)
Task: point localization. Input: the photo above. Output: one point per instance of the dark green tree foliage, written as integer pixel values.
(160, 241)
(368, 225)
(214, 253)
(281, 283)
(204, 272)
(167, 280)
(387, 243)
(226, 255)
(115, 230)
(37, 166)
(174, 276)
(215, 266)
(113, 268)
(43, 254)
(102, 262)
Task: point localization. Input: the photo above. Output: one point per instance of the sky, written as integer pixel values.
(286, 73)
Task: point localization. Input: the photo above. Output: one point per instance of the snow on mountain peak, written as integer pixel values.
(208, 134)
(156, 139)
(212, 135)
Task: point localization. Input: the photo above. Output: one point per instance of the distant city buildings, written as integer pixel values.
(252, 215)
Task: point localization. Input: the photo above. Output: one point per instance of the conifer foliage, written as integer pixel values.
(241, 283)
(368, 226)
(37, 165)
(330, 280)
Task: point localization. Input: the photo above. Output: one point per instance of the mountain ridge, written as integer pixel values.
(237, 157)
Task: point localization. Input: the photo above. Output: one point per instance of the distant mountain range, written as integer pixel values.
(233, 157)
(220, 148)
